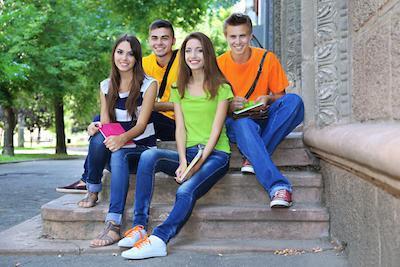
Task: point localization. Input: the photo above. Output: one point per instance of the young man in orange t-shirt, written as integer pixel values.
(258, 138)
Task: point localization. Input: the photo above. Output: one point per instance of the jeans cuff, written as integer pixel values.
(94, 188)
(279, 187)
(117, 218)
(159, 236)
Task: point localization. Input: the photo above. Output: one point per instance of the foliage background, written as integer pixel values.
(54, 53)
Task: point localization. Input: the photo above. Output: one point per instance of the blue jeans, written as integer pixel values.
(164, 126)
(165, 131)
(85, 173)
(258, 139)
(155, 160)
(119, 164)
(97, 158)
(85, 170)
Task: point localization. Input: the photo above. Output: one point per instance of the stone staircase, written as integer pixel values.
(235, 209)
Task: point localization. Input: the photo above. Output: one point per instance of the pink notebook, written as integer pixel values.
(112, 129)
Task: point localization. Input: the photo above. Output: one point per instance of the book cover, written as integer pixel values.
(185, 176)
(113, 129)
(250, 107)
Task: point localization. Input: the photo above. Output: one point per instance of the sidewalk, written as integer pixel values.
(25, 186)
(79, 151)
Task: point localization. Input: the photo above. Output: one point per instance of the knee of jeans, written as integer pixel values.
(97, 139)
(244, 125)
(117, 156)
(149, 156)
(294, 100)
(183, 192)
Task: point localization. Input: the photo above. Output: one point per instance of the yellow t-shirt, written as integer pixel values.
(151, 68)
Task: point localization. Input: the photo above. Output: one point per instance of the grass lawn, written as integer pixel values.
(32, 148)
(26, 157)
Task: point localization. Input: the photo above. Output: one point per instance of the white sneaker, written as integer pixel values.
(146, 247)
(132, 236)
(247, 167)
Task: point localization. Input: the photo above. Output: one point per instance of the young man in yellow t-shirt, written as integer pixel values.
(258, 138)
(161, 40)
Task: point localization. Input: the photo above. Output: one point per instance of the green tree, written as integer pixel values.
(60, 49)
(71, 61)
(19, 25)
(37, 115)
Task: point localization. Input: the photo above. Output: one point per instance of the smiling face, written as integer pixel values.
(194, 57)
(238, 38)
(161, 41)
(123, 57)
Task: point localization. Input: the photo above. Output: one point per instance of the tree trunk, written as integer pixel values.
(31, 135)
(38, 135)
(60, 133)
(21, 130)
(9, 126)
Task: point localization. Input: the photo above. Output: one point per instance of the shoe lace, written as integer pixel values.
(135, 229)
(142, 241)
(280, 194)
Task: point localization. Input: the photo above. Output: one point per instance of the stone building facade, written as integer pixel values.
(343, 58)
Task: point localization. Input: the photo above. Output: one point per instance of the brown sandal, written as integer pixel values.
(105, 236)
(89, 201)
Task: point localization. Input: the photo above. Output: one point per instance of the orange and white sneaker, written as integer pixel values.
(281, 199)
(247, 167)
(147, 247)
(132, 236)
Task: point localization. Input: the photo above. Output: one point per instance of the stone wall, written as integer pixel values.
(363, 216)
(332, 56)
(277, 27)
(376, 59)
(353, 79)
(291, 43)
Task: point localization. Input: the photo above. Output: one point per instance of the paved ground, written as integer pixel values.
(180, 259)
(24, 187)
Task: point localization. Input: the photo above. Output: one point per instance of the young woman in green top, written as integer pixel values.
(201, 102)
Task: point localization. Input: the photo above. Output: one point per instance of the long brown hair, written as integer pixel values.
(137, 80)
(213, 76)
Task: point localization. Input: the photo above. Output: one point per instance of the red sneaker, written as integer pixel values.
(281, 199)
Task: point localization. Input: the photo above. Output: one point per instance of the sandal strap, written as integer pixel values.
(109, 240)
(90, 198)
(110, 227)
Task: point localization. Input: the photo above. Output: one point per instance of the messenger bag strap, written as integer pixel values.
(253, 86)
(165, 77)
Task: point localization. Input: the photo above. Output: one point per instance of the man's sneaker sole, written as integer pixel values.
(280, 204)
(71, 191)
(142, 256)
(247, 169)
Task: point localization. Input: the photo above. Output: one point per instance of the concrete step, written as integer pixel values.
(27, 238)
(291, 152)
(63, 219)
(233, 188)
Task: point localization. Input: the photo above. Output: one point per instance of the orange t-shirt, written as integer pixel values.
(241, 76)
